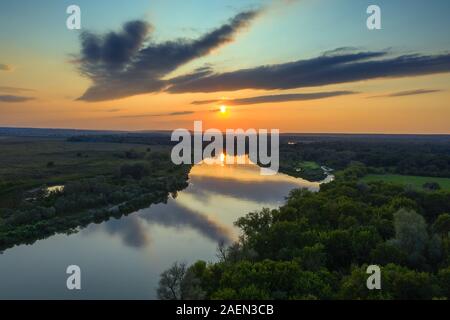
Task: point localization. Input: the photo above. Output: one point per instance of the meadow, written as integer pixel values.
(26, 163)
(408, 180)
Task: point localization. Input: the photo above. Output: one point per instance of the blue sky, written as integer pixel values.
(302, 28)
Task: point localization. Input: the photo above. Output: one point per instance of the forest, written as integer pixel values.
(318, 246)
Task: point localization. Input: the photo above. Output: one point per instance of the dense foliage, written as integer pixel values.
(318, 246)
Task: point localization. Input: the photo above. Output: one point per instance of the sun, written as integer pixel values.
(223, 109)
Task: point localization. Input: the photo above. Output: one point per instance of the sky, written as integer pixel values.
(292, 65)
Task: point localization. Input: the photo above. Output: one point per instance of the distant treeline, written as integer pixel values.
(407, 157)
(44, 132)
(131, 138)
(419, 155)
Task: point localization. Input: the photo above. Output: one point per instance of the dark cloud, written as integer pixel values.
(197, 74)
(170, 114)
(12, 99)
(127, 63)
(252, 190)
(330, 68)
(5, 67)
(407, 93)
(132, 231)
(174, 215)
(277, 98)
(340, 50)
(177, 113)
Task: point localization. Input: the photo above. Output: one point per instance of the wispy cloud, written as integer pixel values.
(13, 99)
(5, 67)
(326, 69)
(170, 114)
(127, 63)
(277, 98)
(407, 93)
(113, 110)
(14, 89)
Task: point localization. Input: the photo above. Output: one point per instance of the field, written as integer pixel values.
(308, 165)
(414, 181)
(26, 163)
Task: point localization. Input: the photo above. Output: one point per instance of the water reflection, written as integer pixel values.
(134, 231)
(216, 196)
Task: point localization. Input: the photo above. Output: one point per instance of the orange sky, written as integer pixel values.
(427, 113)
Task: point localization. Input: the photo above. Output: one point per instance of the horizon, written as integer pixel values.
(281, 133)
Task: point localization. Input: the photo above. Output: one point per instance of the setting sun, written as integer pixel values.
(223, 109)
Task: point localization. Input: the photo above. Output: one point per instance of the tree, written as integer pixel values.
(442, 224)
(50, 164)
(410, 231)
(170, 282)
(313, 258)
(387, 252)
(444, 281)
(137, 171)
(179, 283)
(339, 249)
(255, 223)
(396, 283)
(431, 186)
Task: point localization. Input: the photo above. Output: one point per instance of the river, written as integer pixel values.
(123, 258)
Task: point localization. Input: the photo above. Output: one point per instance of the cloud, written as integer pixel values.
(170, 114)
(340, 50)
(327, 69)
(407, 93)
(5, 67)
(175, 215)
(11, 98)
(132, 231)
(128, 62)
(277, 98)
(14, 89)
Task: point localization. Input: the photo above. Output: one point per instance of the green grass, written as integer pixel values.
(23, 161)
(414, 181)
(308, 165)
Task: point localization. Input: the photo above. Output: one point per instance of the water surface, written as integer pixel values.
(123, 258)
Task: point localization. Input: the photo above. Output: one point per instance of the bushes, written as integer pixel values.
(442, 225)
(137, 171)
